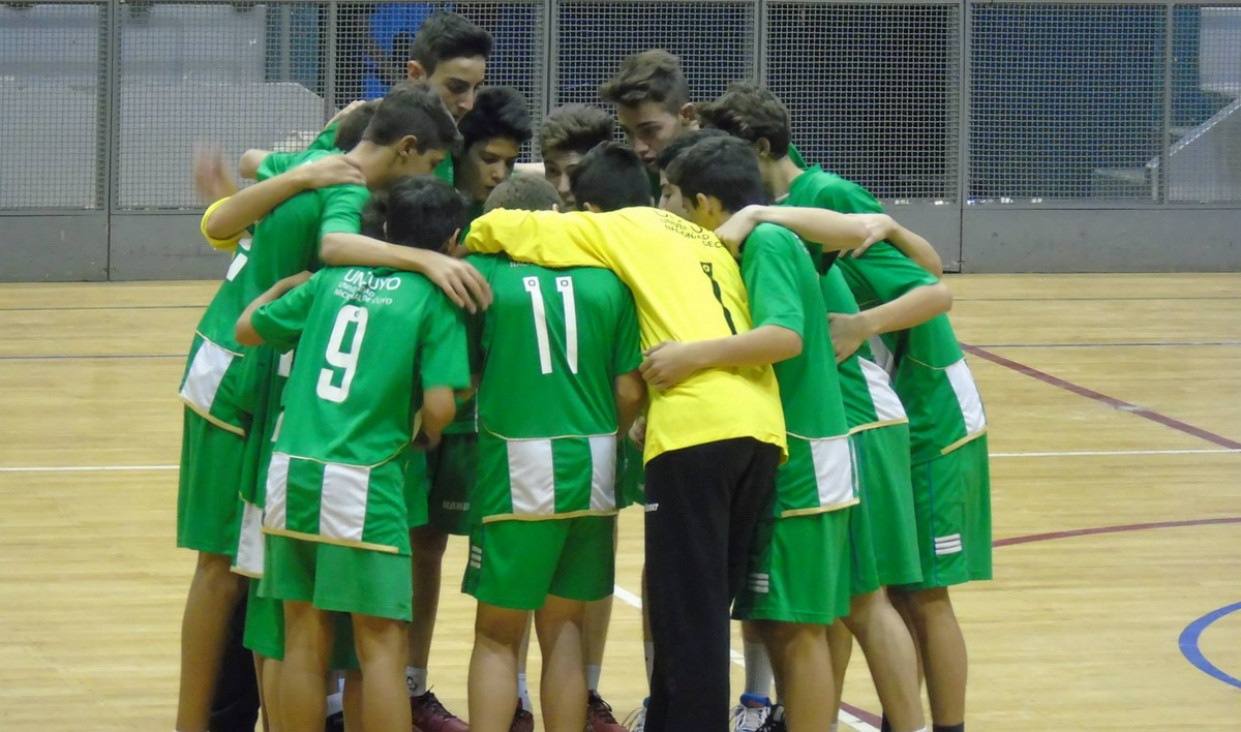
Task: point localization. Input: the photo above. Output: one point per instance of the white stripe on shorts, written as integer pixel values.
(205, 375)
(963, 385)
(250, 547)
(950, 544)
(603, 473)
(277, 499)
(833, 470)
(342, 508)
(532, 476)
(888, 405)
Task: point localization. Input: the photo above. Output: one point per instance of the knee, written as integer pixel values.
(502, 627)
(928, 604)
(216, 570)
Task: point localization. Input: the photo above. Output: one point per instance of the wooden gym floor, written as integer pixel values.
(1115, 411)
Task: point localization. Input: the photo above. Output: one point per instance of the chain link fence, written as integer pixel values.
(958, 102)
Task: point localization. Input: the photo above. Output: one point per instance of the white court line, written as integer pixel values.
(633, 600)
(1082, 453)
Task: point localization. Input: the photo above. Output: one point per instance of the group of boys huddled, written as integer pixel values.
(517, 357)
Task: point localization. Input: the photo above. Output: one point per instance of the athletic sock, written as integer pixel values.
(834, 728)
(648, 650)
(523, 693)
(416, 680)
(759, 678)
(592, 677)
(335, 703)
(948, 727)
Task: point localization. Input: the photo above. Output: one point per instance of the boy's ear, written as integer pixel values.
(414, 70)
(762, 146)
(453, 248)
(407, 146)
(689, 117)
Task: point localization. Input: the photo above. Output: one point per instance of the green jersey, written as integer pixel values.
(466, 421)
(927, 366)
(364, 337)
(218, 382)
(784, 291)
(326, 141)
(549, 350)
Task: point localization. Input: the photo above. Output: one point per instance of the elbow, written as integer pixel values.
(438, 409)
(219, 236)
(245, 333)
(790, 346)
(943, 298)
(332, 250)
(248, 168)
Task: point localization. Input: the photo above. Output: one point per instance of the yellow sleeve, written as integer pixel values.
(225, 244)
(545, 238)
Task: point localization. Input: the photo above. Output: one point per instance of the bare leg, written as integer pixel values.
(840, 644)
(214, 593)
(562, 689)
(595, 631)
(427, 545)
(493, 667)
(523, 657)
(267, 671)
(381, 646)
(942, 647)
(303, 675)
(803, 668)
(353, 701)
(890, 654)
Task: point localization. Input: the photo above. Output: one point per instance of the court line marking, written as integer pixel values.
(1089, 299)
(1071, 533)
(1192, 650)
(91, 357)
(1153, 344)
(1113, 402)
(106, 307)
(859, 719)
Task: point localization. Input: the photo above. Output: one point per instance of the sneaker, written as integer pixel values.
(523, 721)
(751, 713)
(775, 721)
(335, 723)
(599, 715)
(636, 721)
(431, 716)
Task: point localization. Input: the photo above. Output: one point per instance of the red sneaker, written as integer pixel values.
(431, 716)
(599, 716)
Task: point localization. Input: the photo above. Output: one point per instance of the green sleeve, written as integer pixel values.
(326, 140)
(444, 361)
(627, 355)
(883, 274)
(443, 171)
(275, 164)
(846, 196)
(342, 209)
(281, 322)
(769, 269)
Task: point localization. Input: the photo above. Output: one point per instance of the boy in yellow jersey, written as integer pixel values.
(712, 443)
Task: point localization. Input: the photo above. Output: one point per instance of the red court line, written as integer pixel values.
(1112, 402)
(871, 719)
(1113, 530)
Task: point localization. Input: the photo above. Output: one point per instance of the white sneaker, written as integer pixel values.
(750, 714)
(636, 721)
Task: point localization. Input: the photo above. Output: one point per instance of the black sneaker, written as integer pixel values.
(774, 721)
(335, 723)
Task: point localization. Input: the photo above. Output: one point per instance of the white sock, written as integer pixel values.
(416, 680)
(523, 693)
(834, 728)
(592, 677)
(335, 703)
(649, 652)
(759, 678)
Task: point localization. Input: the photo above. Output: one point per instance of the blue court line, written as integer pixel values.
(91, 358)
(1193, 651)
(1164, 344)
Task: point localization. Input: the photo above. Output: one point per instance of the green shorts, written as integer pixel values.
(516, 564)
(264, 632)
(630, 475)
(417, 488)
(882, 531)
(451, 468)
(338, 578)
(212, 470)
(799, 570)
(952, 502)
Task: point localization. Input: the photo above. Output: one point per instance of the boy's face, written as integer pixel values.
(670, 198)
(649, 127)
(557, 167)
(456, 80)
(485, 165)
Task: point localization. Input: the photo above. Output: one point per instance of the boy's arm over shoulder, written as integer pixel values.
(545, 238)
(278, 316)
(770, 270)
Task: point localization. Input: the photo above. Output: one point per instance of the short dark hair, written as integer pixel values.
(349, 131)
(412, 108)
(574, 128)
(752, 113)
(524, 193)
(723, 167)
(650, 76)
(419, 211)
(445, 35)
(612, 177)
(683, 142)
(499, 111)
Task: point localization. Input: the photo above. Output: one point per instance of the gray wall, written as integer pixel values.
(1018, 136)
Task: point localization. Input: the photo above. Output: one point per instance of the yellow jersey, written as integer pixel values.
(687, 287)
